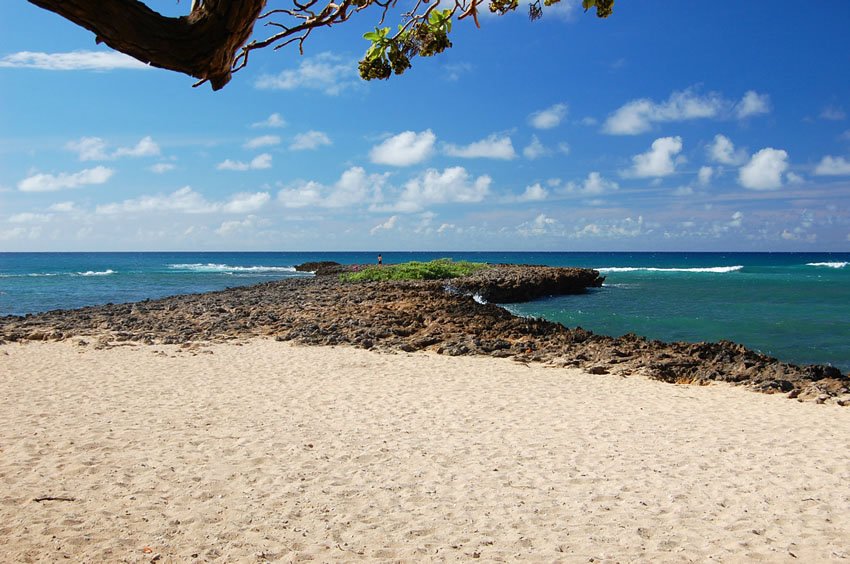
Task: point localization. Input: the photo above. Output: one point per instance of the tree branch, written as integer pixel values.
(203, 44)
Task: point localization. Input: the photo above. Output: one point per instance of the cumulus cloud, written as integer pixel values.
(95, 149)
(833, 166)
(594, 185)
(405, 149)
(325, 72)
(262, 141)
(723, 151)
(275, 120)
(704, 175)
(452, 185)
(533, 193)
(64, 180)
(186, 200)
(548, 118)
(638, 116)
(309, 141)
(239, 225)
(765, 170)
(492, 147)
(75, 60)
(540, 225)
(535, 149)
(752, 104)
(259, 162)
(245, 202)
(354, 187)
(387, 225)
(628, 227)
(658, 161)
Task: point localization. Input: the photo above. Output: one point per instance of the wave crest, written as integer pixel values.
(828, 264)
(712, 269)
(106, 272)
(226, 268)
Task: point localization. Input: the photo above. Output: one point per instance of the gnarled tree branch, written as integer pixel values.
(203, 44)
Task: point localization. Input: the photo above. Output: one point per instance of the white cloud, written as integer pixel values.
(794, 178)
(453, 185)
(51, 183)
(76, 60)
(765, 170)
(405, 149)
(262, 141)
(63, 207)
(737, 219)
(722, 151)
(638, 116)
(146, 147)
(540, 225)
(354, 187)
(564, 148)
(533, 193)
(89, 148)
(833, 166)
(535, 149)
(273, 121)
(160, 168)
(325, 72)
(492, 147)
(236, 225)
(705, 174)
(309, 141)
(186, 200)
(28, 217)
(683, 191)
(388, 225)
(658, 161)
(833, 113)
(259, 162)
(94, 149)
(628, 227)
(548, 118)
(594, 185)
(245, 202)
(752, 104)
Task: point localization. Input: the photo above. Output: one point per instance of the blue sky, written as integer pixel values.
(711, 126)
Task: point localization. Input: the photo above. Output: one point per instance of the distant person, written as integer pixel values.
(380, 260)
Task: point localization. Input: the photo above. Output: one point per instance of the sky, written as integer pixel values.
(670, 126)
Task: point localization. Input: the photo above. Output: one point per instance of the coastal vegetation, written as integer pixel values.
(416, 270)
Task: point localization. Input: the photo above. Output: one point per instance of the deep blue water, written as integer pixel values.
(795, 306)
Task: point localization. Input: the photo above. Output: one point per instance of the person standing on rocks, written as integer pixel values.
(380, 260)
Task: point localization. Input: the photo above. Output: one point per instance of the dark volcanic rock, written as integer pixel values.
(323, 268)
(418, 315)
(522, 283)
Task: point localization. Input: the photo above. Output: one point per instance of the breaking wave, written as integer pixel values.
(828, 264)
(228, 269)
(96, 272)
(713, 269)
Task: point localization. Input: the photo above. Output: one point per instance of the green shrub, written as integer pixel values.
(414, 270)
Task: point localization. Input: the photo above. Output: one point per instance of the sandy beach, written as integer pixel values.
(269, 451)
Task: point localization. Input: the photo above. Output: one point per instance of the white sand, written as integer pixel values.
(266, 451)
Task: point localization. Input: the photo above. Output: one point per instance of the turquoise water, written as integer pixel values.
(795, 306)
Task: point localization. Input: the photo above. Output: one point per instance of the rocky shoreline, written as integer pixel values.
(436, 315)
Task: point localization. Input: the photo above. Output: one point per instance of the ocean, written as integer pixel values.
(794, 306)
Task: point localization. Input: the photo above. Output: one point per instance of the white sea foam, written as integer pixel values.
(97, 272)
(479, 298)
(713, 269)
(828, 264)
(228, 269)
